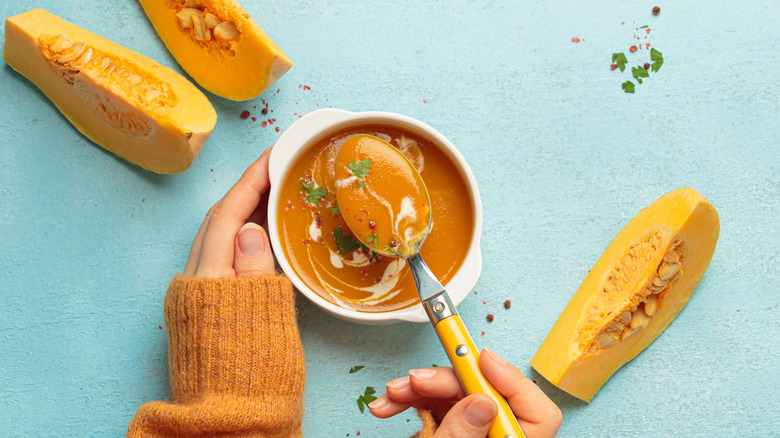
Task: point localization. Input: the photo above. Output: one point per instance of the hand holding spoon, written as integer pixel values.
(384, 201)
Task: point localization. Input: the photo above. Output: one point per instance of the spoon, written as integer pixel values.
(390, 212)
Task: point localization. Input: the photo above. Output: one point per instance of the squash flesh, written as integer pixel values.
(682, 224)
(238, 69)
(127, 103)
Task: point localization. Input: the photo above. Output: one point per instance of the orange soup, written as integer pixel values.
(323, 250)
(381, 196)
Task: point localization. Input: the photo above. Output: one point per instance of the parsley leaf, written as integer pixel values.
(392, 250)
(658, 57)
(335, 210)
(373, 239)
(639, 72)
(628, 86)
(620, 60)
(313, 195)
(360, 170)
(356, 368)
(346, 242)
(367, 397)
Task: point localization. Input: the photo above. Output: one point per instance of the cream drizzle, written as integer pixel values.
(387, 288)
(315, 233)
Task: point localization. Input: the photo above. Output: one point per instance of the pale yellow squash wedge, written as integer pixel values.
(637, 287)
(127, 103)
(219, 45)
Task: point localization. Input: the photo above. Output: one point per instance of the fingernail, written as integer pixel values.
(423, 373)
(398, 383)
(480, 412)
(493, 355)
(378, 403)
(250, 239)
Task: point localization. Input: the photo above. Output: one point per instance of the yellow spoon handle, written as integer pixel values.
(464, 357)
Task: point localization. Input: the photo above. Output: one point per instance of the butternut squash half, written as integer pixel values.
(219, 45)
(637, 287)
(127, 103)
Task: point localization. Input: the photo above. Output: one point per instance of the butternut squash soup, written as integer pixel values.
(381, 196)
(322, 248)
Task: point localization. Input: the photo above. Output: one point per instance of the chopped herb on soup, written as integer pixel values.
(313, 195)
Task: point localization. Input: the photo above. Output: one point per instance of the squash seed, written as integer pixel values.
(85, 57)
(60, 44)
(75, 51)
(625, 318)
(667, 270)
(615, 327)
(651, 304)
(211, 20)
(185, 18)
(606, 339)
(638, 320)
(202, 33)
(671, 257)
(226, 32)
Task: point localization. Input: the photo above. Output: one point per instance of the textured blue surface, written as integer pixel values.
(564, 159)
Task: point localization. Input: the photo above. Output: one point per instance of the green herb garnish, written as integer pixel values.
(373, 239)
(335, 210)
(367, 397)
(620, 60)
(356, 368)
(392, 250)
(360, 170)
(639, 72)
(346, 242)
(628, 86)
(658, 57)
(643, 27)
(313, 195)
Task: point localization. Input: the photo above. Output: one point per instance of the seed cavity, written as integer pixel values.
(618, 312)
(211, 29)
(113, 87)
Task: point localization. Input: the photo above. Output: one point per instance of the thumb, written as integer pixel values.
(253, 255)
(469, 418)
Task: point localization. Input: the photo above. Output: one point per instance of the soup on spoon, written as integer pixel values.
(381, 196)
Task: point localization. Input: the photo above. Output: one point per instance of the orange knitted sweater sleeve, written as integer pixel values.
(235, 360)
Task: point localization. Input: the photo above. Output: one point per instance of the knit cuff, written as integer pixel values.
(429, 424)
(235, 360)
(233, 336)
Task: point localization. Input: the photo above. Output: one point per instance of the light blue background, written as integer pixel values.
(563, 157)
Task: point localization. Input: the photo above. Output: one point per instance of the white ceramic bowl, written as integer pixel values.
(315, 125)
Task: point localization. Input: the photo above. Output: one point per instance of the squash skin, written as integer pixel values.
(254, 67)
(161, 139)
(682, 217)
